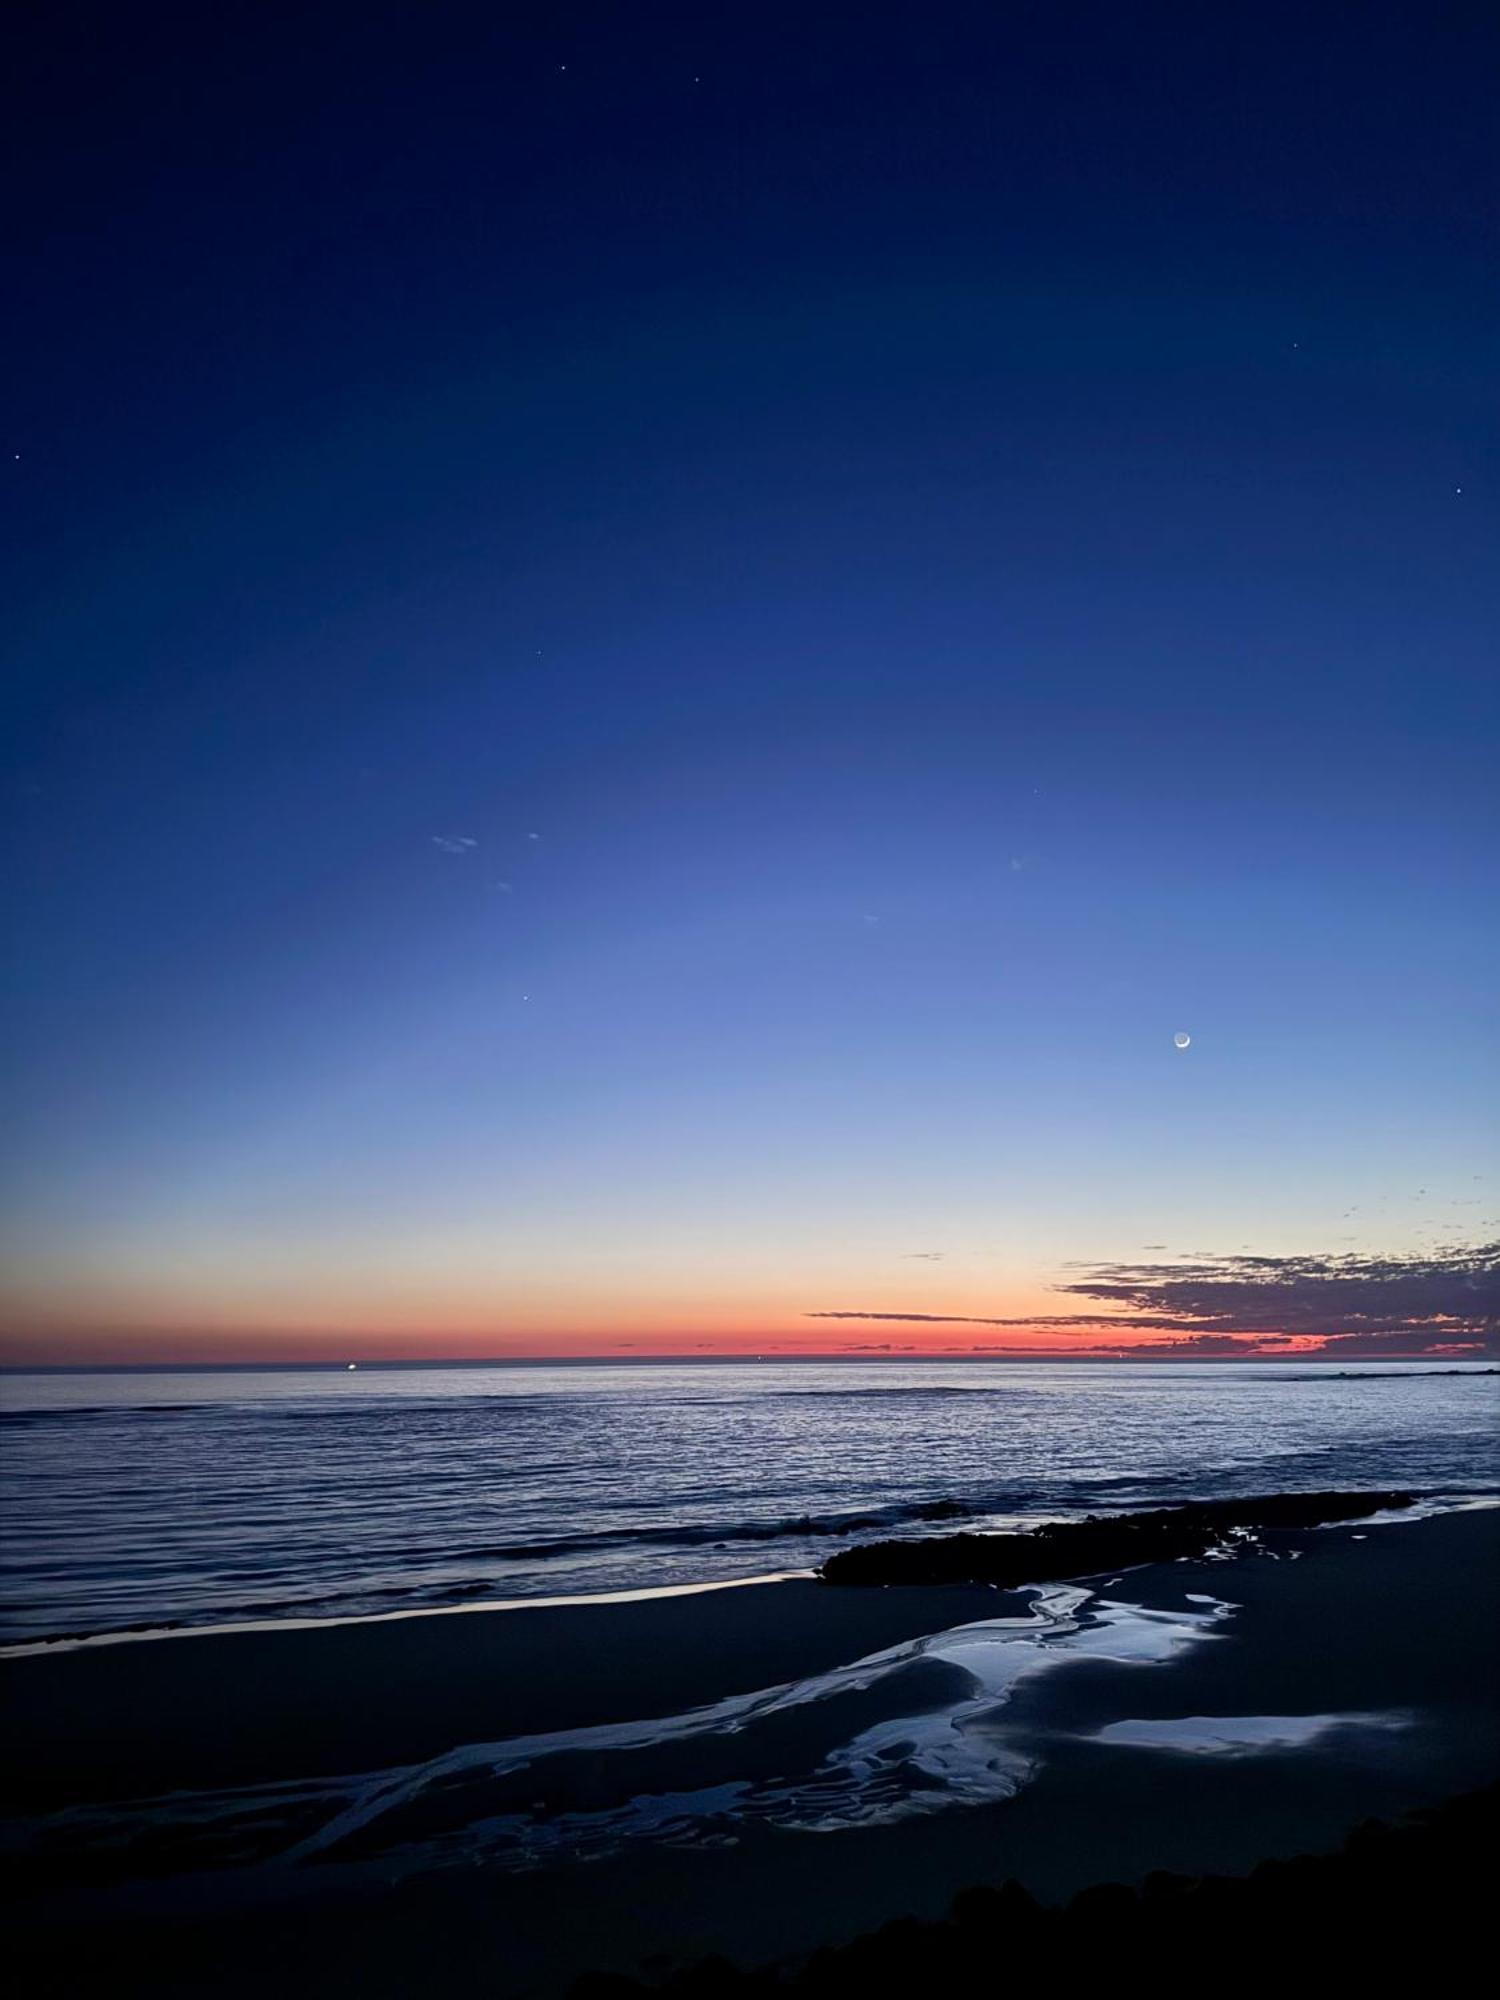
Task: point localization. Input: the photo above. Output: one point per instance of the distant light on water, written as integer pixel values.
(1182, 1040)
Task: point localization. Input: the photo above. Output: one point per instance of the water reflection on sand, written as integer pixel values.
(918, 1728)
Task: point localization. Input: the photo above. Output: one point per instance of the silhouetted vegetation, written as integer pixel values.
(1099, 1542)
(1398, 1901)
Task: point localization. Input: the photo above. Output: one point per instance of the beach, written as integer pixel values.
(531, 1793)
(751, 1245)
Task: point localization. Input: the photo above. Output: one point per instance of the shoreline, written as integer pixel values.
(1068, 1706)
(26, 1649)
(1419, 1506)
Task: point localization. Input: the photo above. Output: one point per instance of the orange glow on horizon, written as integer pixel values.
(284, 1317)
(126, 1345)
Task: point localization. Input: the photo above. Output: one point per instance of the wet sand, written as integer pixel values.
(1392, 1632)
(204, 1708)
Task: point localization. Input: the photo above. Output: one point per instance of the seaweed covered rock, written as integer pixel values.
(1060, 1549)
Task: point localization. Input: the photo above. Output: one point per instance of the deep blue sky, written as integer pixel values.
(651, 653)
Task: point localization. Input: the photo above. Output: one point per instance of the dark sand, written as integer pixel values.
(1396, 1618)
(205, 1708)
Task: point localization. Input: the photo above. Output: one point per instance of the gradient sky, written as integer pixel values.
(651, 654)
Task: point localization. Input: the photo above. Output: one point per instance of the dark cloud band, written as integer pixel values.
(1447, 1302)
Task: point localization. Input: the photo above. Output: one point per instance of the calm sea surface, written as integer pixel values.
(146, 1499)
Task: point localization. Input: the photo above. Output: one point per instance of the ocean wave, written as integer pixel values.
(705, 1534)
(299, 1498)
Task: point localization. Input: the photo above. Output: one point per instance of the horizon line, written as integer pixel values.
(343, 1364)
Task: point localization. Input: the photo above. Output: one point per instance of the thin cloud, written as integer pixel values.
(453, 843)
(1064, 1321)
(922, 1319)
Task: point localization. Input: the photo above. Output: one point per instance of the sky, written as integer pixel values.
(654, 656)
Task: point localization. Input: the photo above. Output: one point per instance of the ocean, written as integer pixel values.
(136, 1500)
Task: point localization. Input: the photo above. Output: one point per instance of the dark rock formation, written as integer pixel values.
(1082, 1548)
